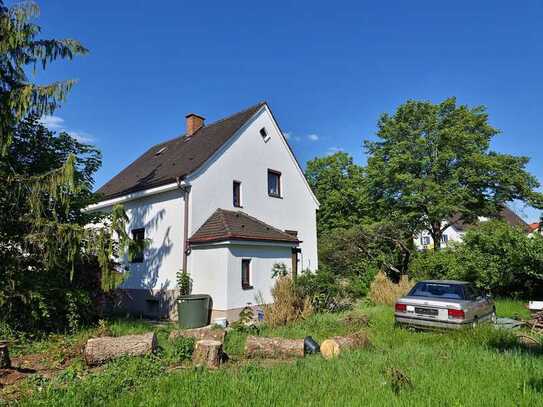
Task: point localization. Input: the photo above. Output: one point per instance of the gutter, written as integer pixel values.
(185, 188)
(132, 196)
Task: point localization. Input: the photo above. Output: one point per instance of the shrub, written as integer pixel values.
(494, 256)
(288, 304)
(384, 291)
(327, 291)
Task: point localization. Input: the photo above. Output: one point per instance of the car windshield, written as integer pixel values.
(438, 290)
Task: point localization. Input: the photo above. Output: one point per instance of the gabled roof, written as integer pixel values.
(533, 226)
(165, 162)
(505, 214)
(225, 225)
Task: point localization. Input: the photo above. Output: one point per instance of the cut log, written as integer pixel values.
(335, 346)
(101, 350)
(208, 353)
(207, 332)
(273, 348)
(5, 362)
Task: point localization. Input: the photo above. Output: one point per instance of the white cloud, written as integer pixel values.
(52, 122)
(56, 123)
(290, 137)
(313, 137)
(333, 150)
(81, 136)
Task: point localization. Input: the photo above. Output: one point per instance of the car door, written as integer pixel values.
(482, 304)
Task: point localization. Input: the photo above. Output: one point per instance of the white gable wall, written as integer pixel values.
(247, 158)
(162, 217)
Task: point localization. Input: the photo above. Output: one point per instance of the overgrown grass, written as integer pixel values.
(512, 309)
(476, 367)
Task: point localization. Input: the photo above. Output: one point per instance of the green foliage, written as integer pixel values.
(53, 265)
(433, 163)
(184, 282)
(279, 270)
(326, 290)
(494, 255)
(19, 49)
(181, 349)
(340, 187)
(245, 323)
(440, 366)
(364, 249)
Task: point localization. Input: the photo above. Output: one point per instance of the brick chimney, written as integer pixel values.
(194, 123)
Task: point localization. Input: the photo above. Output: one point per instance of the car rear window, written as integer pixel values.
(438, 290)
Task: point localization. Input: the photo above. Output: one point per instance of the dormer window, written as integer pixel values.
(264, 134)
(160, 151)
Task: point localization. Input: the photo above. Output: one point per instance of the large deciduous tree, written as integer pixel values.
(432, 165)
(339, 185)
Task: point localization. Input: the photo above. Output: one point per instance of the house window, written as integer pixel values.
(264, 134)
(445, 239)
(425, 240)
(236, 192)
(246, 274)
(274, 183)
(138, 236)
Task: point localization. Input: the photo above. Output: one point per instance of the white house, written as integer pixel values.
(456, 231)
(225, 201)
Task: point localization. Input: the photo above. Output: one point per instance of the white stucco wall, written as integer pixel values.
(216, 270)
(209, 265)
(247, 158)
(161, 216)
(262, 260)
(453, 235)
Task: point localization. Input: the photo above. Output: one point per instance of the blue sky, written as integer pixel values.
(327, 69)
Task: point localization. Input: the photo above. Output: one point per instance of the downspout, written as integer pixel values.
(185, 188)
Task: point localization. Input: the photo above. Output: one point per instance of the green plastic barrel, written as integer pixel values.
(193, 311)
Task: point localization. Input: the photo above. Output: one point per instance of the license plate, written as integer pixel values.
(426, 311)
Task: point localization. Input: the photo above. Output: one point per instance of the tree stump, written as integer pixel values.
(206, 332)
(208, 353)
(274, 348)
(5, 362)
(101, 350)
(335, 346)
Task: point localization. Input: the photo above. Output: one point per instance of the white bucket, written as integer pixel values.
(222, 322)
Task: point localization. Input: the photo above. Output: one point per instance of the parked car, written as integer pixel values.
(444, 304)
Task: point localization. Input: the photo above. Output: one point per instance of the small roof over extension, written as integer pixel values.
(225, 225)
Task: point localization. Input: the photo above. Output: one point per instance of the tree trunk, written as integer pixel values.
(208, 353)
(101, 350)
(5, 362)
(274, 348)
(335, 346)
(206, 332)
(436, 233)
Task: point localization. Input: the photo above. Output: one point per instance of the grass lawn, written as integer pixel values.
(470, 368)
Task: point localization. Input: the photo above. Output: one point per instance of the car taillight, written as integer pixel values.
(401, 307)
(456, 314)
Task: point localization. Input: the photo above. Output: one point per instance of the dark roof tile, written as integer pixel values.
(165, 162)
(235, 225)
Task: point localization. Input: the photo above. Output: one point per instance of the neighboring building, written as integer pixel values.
(456, 231)
(226, 201)
(535, 228)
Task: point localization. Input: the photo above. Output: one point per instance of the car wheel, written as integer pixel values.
(475, 322)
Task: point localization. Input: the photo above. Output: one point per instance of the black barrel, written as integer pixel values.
(311, 346)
